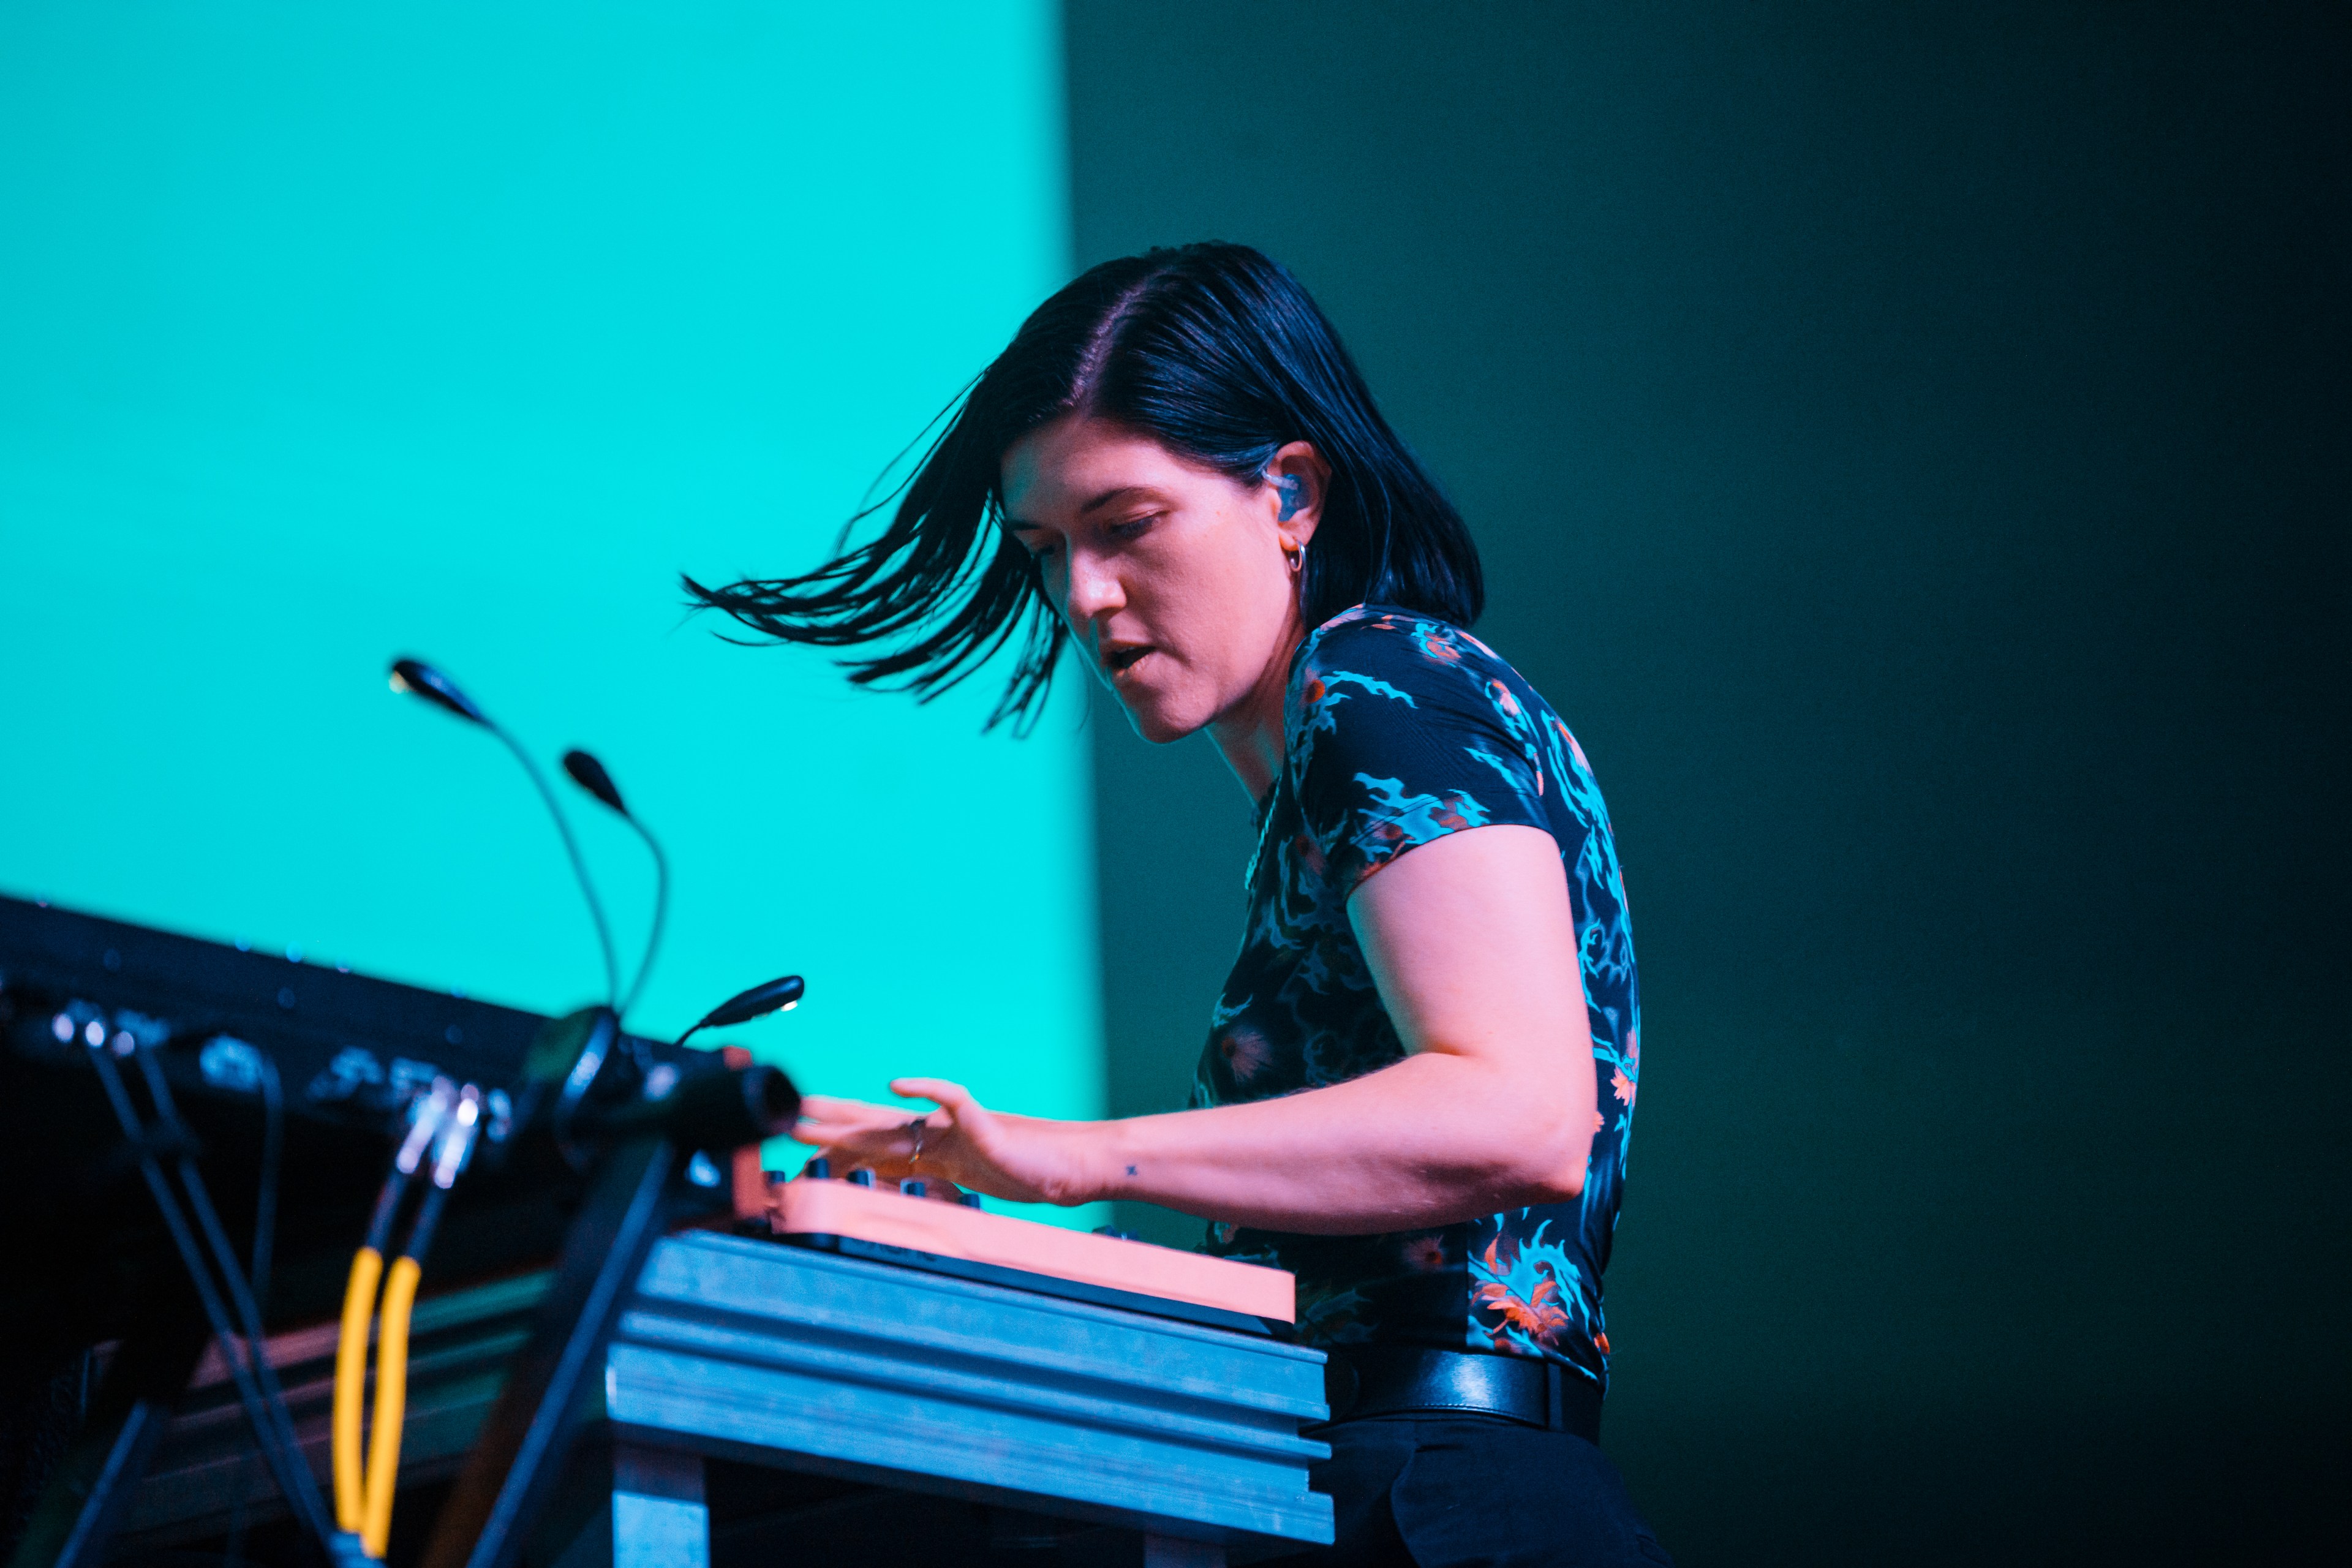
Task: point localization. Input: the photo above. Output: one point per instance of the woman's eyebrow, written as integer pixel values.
(1118, 493)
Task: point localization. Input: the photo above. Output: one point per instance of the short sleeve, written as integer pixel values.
(1400, 732)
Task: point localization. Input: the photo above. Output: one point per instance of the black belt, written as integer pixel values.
(1394, 1380)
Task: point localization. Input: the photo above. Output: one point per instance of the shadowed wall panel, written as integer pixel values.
(1910, 450)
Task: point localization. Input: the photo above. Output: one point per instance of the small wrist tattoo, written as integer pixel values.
(1130, 1170)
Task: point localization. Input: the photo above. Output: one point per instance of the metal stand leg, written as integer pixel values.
(91, 1492)
(659, 1519)
(516, 1463)
(110, 1492)
(648, 1513)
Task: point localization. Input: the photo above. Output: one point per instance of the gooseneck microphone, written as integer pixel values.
(778, 996)
(590, 775)
(421, 679)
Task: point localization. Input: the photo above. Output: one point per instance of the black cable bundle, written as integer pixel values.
(257, 1388)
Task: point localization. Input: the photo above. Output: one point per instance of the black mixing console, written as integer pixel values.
(351, 1049)
(345, 1057)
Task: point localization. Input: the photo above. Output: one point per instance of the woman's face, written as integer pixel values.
(1173, 578)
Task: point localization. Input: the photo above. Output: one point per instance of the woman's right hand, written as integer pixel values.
(1020, 1159)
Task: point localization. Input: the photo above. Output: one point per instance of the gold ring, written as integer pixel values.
(916, 1126)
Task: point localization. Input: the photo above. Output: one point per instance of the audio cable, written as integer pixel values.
(450, 1123)
(359, 1305)
(392, 1339)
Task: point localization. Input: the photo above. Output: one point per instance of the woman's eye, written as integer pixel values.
(1131, 527)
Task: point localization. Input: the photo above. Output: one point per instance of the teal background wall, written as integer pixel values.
(1909, 445)
(333, 334)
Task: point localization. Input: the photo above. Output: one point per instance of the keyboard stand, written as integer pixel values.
(760, 1402)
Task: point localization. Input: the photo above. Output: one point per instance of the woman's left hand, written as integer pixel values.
(1021, 1158)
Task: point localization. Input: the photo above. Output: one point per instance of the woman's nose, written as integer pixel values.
(1095, 588)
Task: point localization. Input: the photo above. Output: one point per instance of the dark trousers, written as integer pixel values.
(1413, 1491)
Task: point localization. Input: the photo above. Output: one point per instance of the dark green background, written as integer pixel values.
(1910, 448)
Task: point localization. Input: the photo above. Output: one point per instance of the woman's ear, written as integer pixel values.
(1297, 480)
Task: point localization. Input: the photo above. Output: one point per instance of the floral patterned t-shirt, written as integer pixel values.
(1398, 731)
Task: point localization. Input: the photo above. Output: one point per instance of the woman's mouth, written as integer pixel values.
(1119, 661)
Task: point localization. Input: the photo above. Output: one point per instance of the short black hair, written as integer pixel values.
(1213, 350)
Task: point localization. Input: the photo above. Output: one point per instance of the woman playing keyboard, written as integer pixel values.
(1419, 1080)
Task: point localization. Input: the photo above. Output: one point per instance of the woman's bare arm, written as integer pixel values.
(1471, 943)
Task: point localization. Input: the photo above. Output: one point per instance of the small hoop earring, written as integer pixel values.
(1295, 558)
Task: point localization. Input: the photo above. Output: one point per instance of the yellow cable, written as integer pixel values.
(351, 1384)
(391, 1399)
